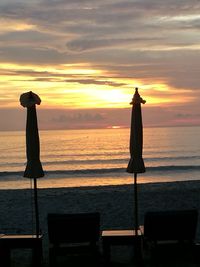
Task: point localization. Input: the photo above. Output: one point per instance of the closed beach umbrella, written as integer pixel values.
(136, 163)
(34, 167)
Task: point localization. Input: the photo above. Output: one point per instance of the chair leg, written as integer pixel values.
(106, 253)
(97, 256)
(52, 257)
(37, 256)
(5, 257)
(138, 252)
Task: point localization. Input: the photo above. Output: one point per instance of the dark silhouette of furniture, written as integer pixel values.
(73, 234)
(172, 230)
(9, 242)
(118, 238)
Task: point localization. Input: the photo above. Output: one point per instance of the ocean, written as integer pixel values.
(74, 158)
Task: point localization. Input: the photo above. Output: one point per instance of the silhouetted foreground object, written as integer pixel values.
(34, 167)
(173, 229)
(73, 234)
(9, 242)
(136, 163)
(115, 237)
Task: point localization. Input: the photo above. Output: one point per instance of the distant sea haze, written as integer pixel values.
(73, 158)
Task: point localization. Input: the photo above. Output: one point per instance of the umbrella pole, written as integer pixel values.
(36, 208)
(136, 204)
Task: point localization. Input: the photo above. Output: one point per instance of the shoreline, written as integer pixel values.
(151, 184)
(115, 204)
(21, 183)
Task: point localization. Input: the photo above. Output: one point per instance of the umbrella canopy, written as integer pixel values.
(34, 167)
(136, 163)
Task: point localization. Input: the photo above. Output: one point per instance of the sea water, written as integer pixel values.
(100, 156)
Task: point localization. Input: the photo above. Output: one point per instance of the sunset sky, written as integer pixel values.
(84, 58)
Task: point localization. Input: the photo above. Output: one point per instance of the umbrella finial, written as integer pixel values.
(29, 99)
(136, 98)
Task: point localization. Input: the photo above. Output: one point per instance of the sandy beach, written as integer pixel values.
(115, 204)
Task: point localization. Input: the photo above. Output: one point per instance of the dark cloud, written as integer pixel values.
(82, 44)
(30, 37)
(12, 119)
(185, 115)
(79, 118)
(91, 118)
(83, 118)
(93, 81)
(31, 55)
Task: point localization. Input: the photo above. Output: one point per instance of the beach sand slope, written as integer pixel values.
(115, 204)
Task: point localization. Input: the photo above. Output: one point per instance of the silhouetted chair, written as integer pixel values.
(73, 234)
(10, 242)
(172, 230)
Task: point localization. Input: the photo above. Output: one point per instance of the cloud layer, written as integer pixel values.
(82, 53)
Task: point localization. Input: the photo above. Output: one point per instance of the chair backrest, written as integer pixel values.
(73, 228)
(171, 225)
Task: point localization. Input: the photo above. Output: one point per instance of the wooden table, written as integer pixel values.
(9, 242)
(122, 237)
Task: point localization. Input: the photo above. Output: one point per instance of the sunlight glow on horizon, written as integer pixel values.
(80, 86)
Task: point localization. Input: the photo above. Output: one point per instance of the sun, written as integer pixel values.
(115, 127)
(113, 97)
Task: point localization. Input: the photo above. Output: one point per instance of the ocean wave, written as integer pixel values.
(171, 158)
(11, 173)
(94, 172)
(95, 160)
(174, 168)
(98, 161)
(82, 162)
